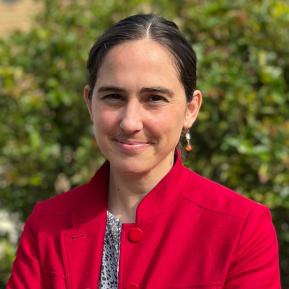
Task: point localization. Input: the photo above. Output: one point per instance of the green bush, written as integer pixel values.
(242, 135)
(6, 256)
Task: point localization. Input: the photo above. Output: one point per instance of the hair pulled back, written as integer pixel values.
(154, 27)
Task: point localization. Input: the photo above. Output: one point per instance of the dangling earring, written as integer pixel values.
(188, 138)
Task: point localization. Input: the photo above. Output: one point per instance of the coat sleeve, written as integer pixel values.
(255, 260)
(26, 273)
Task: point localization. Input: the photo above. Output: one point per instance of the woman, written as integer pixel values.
(144, 220)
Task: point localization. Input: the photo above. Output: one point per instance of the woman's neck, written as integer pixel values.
(127, 191)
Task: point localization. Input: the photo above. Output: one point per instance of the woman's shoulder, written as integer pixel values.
(212, 196)
(64, 202)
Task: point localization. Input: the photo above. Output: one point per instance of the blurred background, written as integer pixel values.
(46, 143)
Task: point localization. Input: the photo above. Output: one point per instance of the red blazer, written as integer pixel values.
(189, 233)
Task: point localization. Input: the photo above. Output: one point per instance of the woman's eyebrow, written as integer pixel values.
(153, 89)
(110, 88)
(158, 89)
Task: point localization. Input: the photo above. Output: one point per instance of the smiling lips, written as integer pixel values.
(131, 145)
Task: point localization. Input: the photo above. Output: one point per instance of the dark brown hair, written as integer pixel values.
(151, 26)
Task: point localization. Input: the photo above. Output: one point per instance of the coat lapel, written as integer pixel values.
(82, 245)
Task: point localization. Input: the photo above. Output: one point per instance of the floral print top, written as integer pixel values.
(110, 255)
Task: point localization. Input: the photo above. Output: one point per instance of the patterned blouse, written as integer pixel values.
(110, 255)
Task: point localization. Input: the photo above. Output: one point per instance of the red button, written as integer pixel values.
(132, 286)
(135, 235)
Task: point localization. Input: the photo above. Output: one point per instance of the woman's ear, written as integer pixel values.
(87, 99)
(193, 108)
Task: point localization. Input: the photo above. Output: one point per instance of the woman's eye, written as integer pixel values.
(157, 98)
(112, 97)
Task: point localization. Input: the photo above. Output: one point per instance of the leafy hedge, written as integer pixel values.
(242, 135)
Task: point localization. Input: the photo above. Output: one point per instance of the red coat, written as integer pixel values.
(189, 233)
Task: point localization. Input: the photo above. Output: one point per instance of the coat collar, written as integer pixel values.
(158, 199)
(164, 194)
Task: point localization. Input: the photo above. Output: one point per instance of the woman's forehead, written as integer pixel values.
(143, 58)
(147, 50)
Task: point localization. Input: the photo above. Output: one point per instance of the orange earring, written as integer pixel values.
(188, 138)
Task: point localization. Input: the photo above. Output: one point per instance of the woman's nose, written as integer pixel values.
(131, 119)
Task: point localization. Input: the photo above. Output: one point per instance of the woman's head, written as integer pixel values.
(141, 94)
(154, 27)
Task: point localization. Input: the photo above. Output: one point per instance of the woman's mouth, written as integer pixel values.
(130, 145)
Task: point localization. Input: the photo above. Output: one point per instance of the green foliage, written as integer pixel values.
(6, 256)
(241, 138)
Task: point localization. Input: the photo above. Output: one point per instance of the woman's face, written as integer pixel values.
(139, 108)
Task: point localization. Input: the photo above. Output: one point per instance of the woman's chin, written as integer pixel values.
(130, 169)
